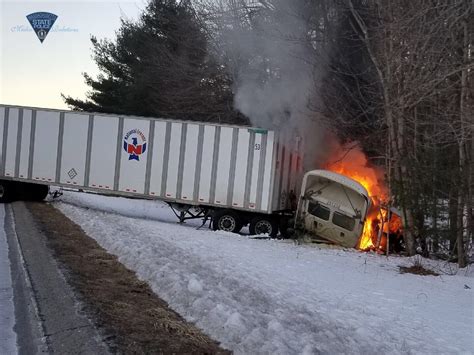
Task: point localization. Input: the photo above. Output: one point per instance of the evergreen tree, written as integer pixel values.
(159, 66)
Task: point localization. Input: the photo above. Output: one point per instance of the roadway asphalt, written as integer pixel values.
(48, 317)
(7, 310)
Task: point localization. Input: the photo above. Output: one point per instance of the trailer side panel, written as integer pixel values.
(45, 145)
(74, 149)
(11, 142)
(132, 171)
(185, 162)
(103, 152)
(25, 144)
(206, 165)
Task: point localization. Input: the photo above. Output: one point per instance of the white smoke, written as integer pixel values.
(275, 67)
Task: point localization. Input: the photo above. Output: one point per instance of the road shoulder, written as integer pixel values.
(125, 308)
(49, 317)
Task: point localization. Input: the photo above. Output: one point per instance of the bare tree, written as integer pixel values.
(420, 52)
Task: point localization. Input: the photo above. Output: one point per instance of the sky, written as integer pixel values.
(34, 73)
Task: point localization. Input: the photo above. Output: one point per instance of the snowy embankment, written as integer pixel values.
(275, 297)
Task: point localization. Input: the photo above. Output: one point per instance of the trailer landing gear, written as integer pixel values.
(185, 212)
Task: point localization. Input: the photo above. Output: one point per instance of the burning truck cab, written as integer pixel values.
(333, 207)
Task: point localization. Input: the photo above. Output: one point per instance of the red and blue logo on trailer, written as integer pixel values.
(134, 143)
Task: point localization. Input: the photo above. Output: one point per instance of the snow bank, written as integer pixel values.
(268, 296)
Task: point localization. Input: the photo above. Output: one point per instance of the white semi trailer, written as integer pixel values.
(235, 175)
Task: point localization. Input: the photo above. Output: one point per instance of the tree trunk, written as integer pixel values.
(434, 223)
(470, 134)
(453, 217)
(462, 158)
(460, 231)
(470, 181)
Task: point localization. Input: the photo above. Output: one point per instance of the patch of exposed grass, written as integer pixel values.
(417, 269)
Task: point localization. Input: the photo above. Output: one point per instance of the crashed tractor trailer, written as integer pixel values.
(235, 175)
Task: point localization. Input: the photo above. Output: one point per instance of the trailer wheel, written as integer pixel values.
(264, 225)
(22, 190)
(7, 191)
(228, 221)
(36, 192)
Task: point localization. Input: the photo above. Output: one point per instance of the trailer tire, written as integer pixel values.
(264, 225)
(37, 192)
(7, 191)
(22, 191)
(227, 220)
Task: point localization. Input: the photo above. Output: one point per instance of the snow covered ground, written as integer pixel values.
(275, 297)
(7, 310)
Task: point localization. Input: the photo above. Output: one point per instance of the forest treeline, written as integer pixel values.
(395, 76)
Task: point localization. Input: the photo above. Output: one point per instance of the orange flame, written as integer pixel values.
(352, 162)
